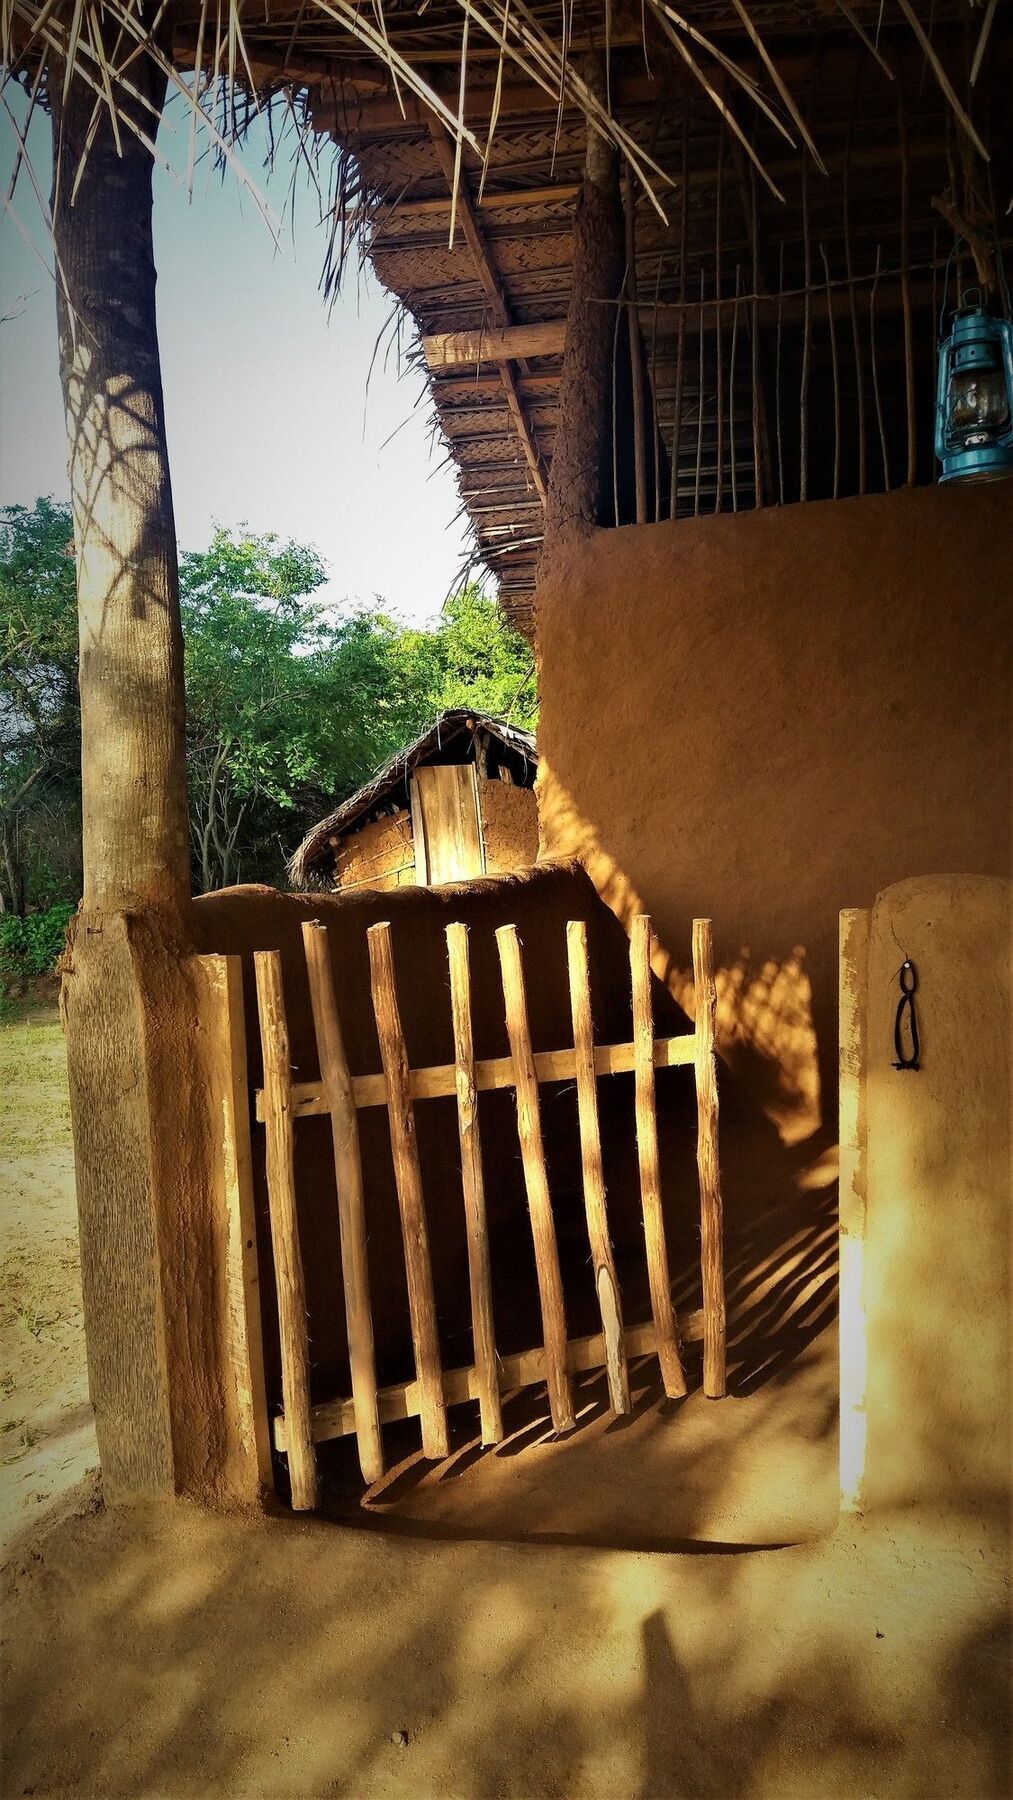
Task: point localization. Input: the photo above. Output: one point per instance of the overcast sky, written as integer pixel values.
(266, 396)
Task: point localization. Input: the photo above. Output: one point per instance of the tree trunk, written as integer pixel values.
(145, 1150)
(579, 480)
(132, 709)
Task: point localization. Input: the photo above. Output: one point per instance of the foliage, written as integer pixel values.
(31, 945)
(291, 704)
(39, 716)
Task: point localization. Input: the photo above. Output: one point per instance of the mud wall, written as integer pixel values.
(934, 1160)
(240, 921)
(381, 855)
(767, 717)
(509, 826)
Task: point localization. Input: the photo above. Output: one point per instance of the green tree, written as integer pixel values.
(290, 704)
(40, 779)
(251, 651)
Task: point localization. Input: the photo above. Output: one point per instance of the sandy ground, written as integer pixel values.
(411, 1646)
(46, 1431)
(168, 1653)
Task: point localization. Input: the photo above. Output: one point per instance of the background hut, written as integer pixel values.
(457, 803)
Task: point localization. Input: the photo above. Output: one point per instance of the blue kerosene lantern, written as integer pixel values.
(974, 396)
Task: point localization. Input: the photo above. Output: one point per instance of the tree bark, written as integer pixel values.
(579, 480)
(131, 676)
(147, 1168)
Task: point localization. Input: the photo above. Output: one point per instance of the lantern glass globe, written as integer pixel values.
(977, 400)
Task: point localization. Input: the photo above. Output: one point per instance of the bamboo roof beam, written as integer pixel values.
(494, 295)
(456, 349)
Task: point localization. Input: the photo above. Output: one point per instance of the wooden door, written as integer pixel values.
(447, 824)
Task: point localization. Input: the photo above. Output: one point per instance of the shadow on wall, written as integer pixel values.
(765, 717)
(764, 1027)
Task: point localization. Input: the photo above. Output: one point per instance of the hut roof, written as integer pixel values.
(431, 746)
(787, 297)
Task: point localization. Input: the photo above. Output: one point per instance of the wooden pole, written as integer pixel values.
(777, 374)
(803, 464)
(288, 1269)
(337, 1084)
(408, 1179)
(226, 1043)
(835, 372)
(578, 478)
(672, 1374)
(874, 371)
(856, 336)
(680, 368)
(711, 1246)
(606, 1280)
(731, 389)
(699, 410)
(905, 291)
(636, 354)
(754, 344)
(719, 371)
(479, 1272)
(529, 1127)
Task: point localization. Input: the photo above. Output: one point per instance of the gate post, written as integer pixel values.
(853, 1328)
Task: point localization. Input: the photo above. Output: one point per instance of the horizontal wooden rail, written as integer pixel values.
(458, 349)
(336, 1418)
(309, 1098)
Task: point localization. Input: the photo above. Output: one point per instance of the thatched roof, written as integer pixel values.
(458, 728)
(787, 296)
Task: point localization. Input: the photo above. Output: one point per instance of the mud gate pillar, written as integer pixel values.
(925, 1200)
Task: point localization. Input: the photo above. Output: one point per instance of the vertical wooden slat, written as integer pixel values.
(665, 1325)
(295, 1356)
(479, 1273)
(223, 976)
(853, 1333)
(754, 342)
(849, 269)
(835, 372)
(803, 404)
(719, 370)
(636, 353)
(680, 367)
(711, 1246)
(408, 1179)
(905, 290)
(699, 410)
(337, 1084)
(606, 1280)
(529, 1126)
(731, 389)
(778, 342)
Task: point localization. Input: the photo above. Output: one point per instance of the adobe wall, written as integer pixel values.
(768, 716)
(509, 826)
(380, 855)
(932, 1179)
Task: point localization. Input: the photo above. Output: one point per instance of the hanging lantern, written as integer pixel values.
(974, 396)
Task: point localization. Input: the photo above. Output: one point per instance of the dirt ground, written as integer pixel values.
(411, 1648)
(46, 1431)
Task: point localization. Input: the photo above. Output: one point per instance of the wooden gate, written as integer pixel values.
(281, 1103)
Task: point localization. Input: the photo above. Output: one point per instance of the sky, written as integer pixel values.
(268, 415)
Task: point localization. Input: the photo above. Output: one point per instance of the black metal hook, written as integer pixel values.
(907, 976)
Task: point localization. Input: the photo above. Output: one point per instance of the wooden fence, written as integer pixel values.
(281, 1103)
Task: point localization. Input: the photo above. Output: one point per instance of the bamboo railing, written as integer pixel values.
(282, 1102)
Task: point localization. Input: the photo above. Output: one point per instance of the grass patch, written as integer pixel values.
(34, 1102)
